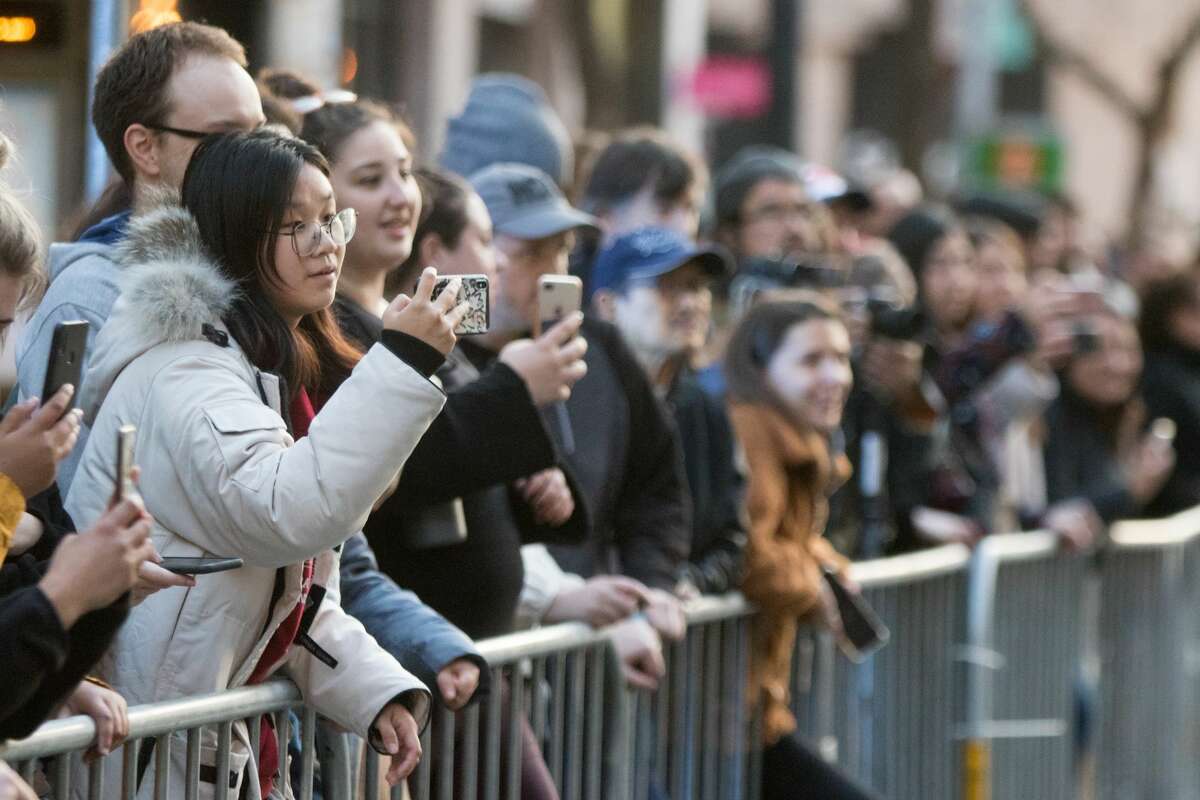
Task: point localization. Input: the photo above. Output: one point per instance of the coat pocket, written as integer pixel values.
(238, 758)
(242, 431)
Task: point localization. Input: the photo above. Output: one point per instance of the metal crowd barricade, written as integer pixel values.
(1149, 715)
(600, 738)
(1023, 655)
(892, 720)
(62, 743)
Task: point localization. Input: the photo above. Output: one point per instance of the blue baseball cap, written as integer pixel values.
(649, 253)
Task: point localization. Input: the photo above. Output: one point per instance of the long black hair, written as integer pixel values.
(238, 187)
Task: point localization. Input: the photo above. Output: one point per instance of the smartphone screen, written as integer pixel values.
(862, 629)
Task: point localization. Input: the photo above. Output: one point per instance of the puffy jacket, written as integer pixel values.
(222, 476)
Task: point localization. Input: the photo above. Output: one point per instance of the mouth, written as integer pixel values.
(396, 227)
(324, 273)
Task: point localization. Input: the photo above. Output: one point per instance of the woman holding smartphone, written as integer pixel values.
(788, 372)
(263, 435)
(490, 433)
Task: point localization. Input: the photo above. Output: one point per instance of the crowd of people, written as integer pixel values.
(775, 371)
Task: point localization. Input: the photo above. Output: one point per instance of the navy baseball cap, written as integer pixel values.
(649, 253)
(525, 202)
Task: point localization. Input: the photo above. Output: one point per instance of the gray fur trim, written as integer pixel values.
(168, 279)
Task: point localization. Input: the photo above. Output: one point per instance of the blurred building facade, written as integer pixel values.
(717, 73)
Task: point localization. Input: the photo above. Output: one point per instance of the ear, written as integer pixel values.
(431, 250)
(141, 145)
(604, 304)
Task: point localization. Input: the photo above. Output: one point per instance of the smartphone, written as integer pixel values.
(199, 566)
(126, 441)
(558, 296)
(65, 363)
(475, 292)
(862, 631)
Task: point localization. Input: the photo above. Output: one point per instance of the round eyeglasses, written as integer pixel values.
(306, 236)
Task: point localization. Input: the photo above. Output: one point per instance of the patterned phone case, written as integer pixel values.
(475, 292)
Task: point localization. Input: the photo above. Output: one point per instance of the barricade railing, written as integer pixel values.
(891, 721)
(1022, 659)
(1149, 715)
(974, 696)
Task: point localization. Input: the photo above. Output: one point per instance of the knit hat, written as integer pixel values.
(507, 118)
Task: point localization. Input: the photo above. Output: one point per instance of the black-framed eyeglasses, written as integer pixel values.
(306, 236)
(184, 132)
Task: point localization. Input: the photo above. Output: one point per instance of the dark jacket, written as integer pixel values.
(1171, 388)
(1081, 458)
(628, 458)
(42, 661)
(715, 484)
(489, 434)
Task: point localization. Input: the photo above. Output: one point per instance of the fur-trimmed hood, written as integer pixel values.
(171, 289)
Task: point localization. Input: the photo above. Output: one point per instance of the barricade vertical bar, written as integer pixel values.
(283, 735)
(191, 788)
(731, 736)
(470, 747)
(558, 683)
(162, 766)
(254, 726)
(62, 777)
(662, 714)
(595, 721)
(96, 778)
(712, 716)
(573, 778)
(27, 771)
(695, 710)
(516, 714)
(678, 758)
(537, 699)
(221, 787)
(308, 752)
(371, 774)
(491, 743)
(129, 768)
(445, 753)
(418, 782)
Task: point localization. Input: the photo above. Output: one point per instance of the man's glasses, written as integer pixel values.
(184, 132)
(306, 236)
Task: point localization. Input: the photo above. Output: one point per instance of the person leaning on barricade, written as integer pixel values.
(62, 597)
(223, 348)
(490, 434)
(1101, 445)
(620, 441)
(1170, 331)
(788, 373)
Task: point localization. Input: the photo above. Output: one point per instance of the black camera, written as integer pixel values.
(788, 274)
(891, 322)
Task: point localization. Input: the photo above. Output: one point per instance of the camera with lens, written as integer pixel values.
(757, 275)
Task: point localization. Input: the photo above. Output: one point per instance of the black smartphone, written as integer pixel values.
(199, 566)
(126, 441)
(65, 363)
(475, 292)
(863, 631)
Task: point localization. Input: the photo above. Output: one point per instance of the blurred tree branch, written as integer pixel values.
(1153, 120)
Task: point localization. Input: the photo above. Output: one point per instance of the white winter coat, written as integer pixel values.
(222, 476)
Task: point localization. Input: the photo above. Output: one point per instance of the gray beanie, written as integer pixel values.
(507, 118)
